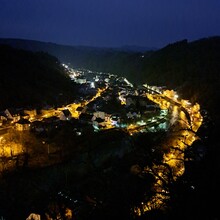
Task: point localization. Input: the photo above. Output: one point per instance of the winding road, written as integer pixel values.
(189, 120)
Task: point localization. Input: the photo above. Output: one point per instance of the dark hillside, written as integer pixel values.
(121, 61)
(191, 68)
(32, 79)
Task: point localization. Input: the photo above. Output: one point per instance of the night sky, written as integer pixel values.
(110, 23)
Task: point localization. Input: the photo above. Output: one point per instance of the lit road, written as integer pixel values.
(134, 128)
(188, 120)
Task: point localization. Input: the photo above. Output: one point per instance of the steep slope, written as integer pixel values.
(121, 61)
(32, 79)
(191, 68)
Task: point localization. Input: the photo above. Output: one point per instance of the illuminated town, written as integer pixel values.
(109, 110)
(145, 109)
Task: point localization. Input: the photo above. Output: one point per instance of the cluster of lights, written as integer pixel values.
(174, 158)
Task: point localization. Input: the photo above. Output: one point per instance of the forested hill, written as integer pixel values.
(192, 68)
(123, 61)
(29, 79)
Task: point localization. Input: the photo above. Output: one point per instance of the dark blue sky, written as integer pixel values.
(152, 23)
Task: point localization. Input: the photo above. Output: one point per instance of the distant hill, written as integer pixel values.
(34, 45)
(29, 79)
(122, 60)
(133, 48)
(192, 68)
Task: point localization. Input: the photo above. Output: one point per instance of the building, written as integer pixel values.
(23, 125)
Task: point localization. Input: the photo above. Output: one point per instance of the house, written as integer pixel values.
(81, 109)
(65, 115)
(99, 120)
(3, 118)
(12, 115)
(99, 114)
(23, 125)
(51, 120)
(115, 119)
(37, 126)
(33, 216)
(130, 100)
(24, 115)
(80, 80)
(32, 113)
(85, 118)
(98, 123)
